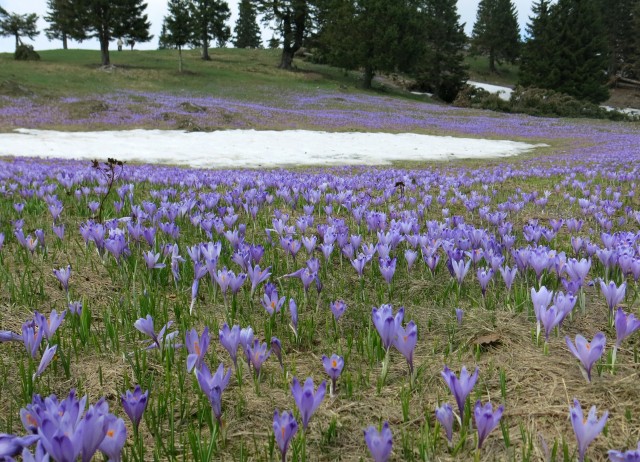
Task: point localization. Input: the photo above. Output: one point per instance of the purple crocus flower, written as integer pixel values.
(230, 340)
(333, 367)
(460, 269)
(63, 275)
(271, 303)
(257, 275)
(134, 404)
(114, 439)
(197, 347)
(405, 341)
(151, 260)
(380, 443)
(338, 308)
(31, 337)
(47, 356)
(11, 445)
(460, 388)
(276, 348)
(386, 323)
(486, 419)
(484, 277)
(284, 428)
(612, 293)
(550, 318)
(306, 399)
(145, 325)
(444, 414)
(588, 429)
(246, 341)
(49, 326)
(632, 455)
(587, 352)
(625, 326)
(92, 430)
(359, 262)
(8, 336)
(410, 256)
(236, 281)
(213, 386)
(258, 354)
(459, 315)
(293, 311)
(387, 268)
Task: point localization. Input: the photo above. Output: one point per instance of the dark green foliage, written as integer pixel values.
(537, 49)
(292, 19)
(442, 70)
(26, 53)
(496, 32)
(177, 27)
(209, 18)
(109, 19)
(247, 30)
(376, 35)
(579, 56)
(618, 19)
(635, 39)
(61, 19)
(18, 25)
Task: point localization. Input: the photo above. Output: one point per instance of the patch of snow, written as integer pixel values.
(251, 148)
(503, 92)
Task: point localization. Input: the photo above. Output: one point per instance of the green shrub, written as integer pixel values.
(26, 53)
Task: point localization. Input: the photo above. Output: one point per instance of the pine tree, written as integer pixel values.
(292, 19)
(537, 49)
(177, 27)
(496, 32)
(634, 58)
(19, 25)
(61, 19)
(442, 70)
(108, 19)
(579, 57)
(209, 18)
(375, 35)
(618, 19)
(247, 30)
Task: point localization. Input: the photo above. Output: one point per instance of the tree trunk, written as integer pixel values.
(64, 41)
(492, 61)
(205, 47)
(368, 77)
(180, 59)
(286, 60)
(104, 51)
(17, 41)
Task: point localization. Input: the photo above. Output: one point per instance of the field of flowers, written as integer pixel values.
(442, 312)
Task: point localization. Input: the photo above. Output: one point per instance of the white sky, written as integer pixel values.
(252, 149)
(157, 9)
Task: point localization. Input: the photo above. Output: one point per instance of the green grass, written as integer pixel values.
(479, 71)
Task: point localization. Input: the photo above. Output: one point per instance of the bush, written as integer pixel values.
(26, 53)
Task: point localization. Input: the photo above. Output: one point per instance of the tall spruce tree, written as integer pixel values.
(496, 32)
(618, 19)
(62, 20)
(247, 30)
(292, 19)
(209, 17)
(442, 70)
(109, 19)
(579, 58)
(373, 35)
(537, 48)
(634, 58)
(177, 27)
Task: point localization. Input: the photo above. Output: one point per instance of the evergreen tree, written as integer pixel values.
(634, 58)
(442, 70)
(375, 35)
(61, 19)
(19, 25)
(579, 57)
(247, 31)
(209, 18)
(108, 19)
(177, 27)
(537, 49)
(496, 32)
(291, 19)
(618, 19)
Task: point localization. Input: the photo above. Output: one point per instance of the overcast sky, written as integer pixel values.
(157, 10)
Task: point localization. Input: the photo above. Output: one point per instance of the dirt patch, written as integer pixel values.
(13, 88)
(624, 98)
(192, 107)
(82, 109)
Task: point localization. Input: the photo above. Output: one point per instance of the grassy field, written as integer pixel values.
(433, 238)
